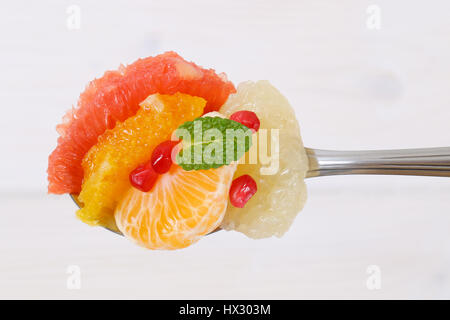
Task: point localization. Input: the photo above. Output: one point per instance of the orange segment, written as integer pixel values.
(120, 150)
(181, 207)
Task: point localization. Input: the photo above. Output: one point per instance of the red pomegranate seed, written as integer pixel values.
(242, 189)
(143, 177)
(247, 118)
(162, 156)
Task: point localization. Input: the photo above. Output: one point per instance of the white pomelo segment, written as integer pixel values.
(271, 211)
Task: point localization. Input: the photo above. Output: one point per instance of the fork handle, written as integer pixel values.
(414, 162)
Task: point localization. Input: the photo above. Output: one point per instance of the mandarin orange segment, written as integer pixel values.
(120, 150)
(181, 207)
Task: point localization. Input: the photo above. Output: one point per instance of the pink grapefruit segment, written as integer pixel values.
(116, 97)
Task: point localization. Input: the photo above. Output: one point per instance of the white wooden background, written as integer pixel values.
(352, 88)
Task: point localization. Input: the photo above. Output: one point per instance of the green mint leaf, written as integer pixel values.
(211, 142)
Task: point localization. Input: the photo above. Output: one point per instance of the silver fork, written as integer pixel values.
(412, 162)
